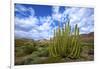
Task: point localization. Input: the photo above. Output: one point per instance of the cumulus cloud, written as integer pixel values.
(34, 30)
(32, 27)
(55, 9)
(84, 17)
(20, 8)
(28, 25)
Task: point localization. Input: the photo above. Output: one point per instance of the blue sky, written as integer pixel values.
(38, 21)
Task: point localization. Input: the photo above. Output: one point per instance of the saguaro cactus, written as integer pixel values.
(64, 44)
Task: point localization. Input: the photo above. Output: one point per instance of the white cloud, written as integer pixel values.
(55, 9)
(81, 16)
(20, 34)
(37, 31)
(41, 26)
(31, 11)
(26, 22)
(45, 26)
(56, 15)
(20, 8)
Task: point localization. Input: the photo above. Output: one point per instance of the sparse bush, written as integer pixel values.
(24, 50)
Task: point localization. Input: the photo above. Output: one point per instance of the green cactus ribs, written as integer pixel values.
(65, 43)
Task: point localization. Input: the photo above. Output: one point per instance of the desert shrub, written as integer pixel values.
(25, 42)
(41, 52)
(28, 49)
(24, 50)
(24, 47)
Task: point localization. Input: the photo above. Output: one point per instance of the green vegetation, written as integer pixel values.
(65, 46)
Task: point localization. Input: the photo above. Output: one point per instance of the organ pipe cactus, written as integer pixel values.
(64, 44)
(75, 44)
